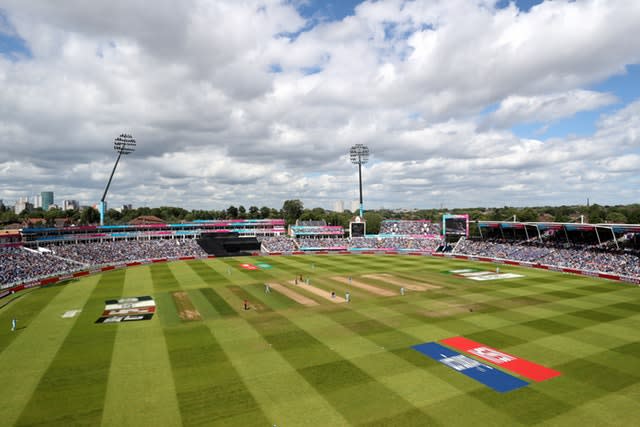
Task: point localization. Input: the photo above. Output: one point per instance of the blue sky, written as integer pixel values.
(625, 86)
(12, 46)
(337, 10)
(462, 103)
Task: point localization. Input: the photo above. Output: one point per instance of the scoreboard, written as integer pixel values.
(455, 225)
(357, 229)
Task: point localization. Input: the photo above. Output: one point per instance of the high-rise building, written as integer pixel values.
(22, 204)
(355, 206)
(338, 206)
(123, 208)
(70, 205)
(47, 199)
(37, 201)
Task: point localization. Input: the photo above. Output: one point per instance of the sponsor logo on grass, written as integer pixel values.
(509, 362)
(128, 300)
(119, 319)
(70, 313)
(499, 276)
(128, 309)
(475, 274)
(479, 275)
(130, 305)
(493, 356)
(485, 374)
(248, 266)
(264, 266)
(460, 362)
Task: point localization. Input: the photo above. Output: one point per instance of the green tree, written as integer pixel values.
(291, 210)
(232, 212)
(8, 217)
(527, 215)
(254, 212)
(616, 218)
(596, 214)
(113, 216)
(373, 220)
(89, 216)
(264, 212)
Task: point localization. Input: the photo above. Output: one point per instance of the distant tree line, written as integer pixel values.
(293, 210)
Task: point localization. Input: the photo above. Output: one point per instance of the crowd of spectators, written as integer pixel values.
(492, 249)
(567, 256)
(18, 264)
(287, 244)
(312, 223)
(324, 243)
(109, 252)
(408, 227)
(317, 231)
(394, 243)
(278, 244)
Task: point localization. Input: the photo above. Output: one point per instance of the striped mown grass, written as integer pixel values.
(288, 364)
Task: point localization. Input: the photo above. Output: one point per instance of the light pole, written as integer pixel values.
(124, 144)
(359, 154)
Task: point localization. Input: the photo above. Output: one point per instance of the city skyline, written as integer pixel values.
(462, 103)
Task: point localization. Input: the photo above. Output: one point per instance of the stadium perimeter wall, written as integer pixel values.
(116, 266)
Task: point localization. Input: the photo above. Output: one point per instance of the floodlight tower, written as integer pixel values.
(359, 154)
(124, 144)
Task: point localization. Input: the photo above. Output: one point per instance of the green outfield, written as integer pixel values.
(298, 357)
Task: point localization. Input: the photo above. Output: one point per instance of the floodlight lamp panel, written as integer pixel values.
(359, 154)
(124, 144)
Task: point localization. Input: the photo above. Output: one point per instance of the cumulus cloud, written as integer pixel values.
(250, 103)
(517, 109)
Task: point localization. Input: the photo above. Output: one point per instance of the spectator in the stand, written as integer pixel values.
(19, 264)
(109, 252)
(278, 244)
(336, 243)
(395, 243)
(560, 255)
(409, 227)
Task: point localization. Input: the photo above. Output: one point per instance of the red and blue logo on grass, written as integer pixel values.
(485, 374)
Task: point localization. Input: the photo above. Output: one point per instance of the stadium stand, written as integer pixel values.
(581, 257)
(227, 244)
(602, 248)
(278, 244)
(409, 227)
(109, 252)
(18, 264)
(323, 243)
(393, 243)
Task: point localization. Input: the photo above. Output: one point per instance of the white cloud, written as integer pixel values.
(517, 109)
(217, 126)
